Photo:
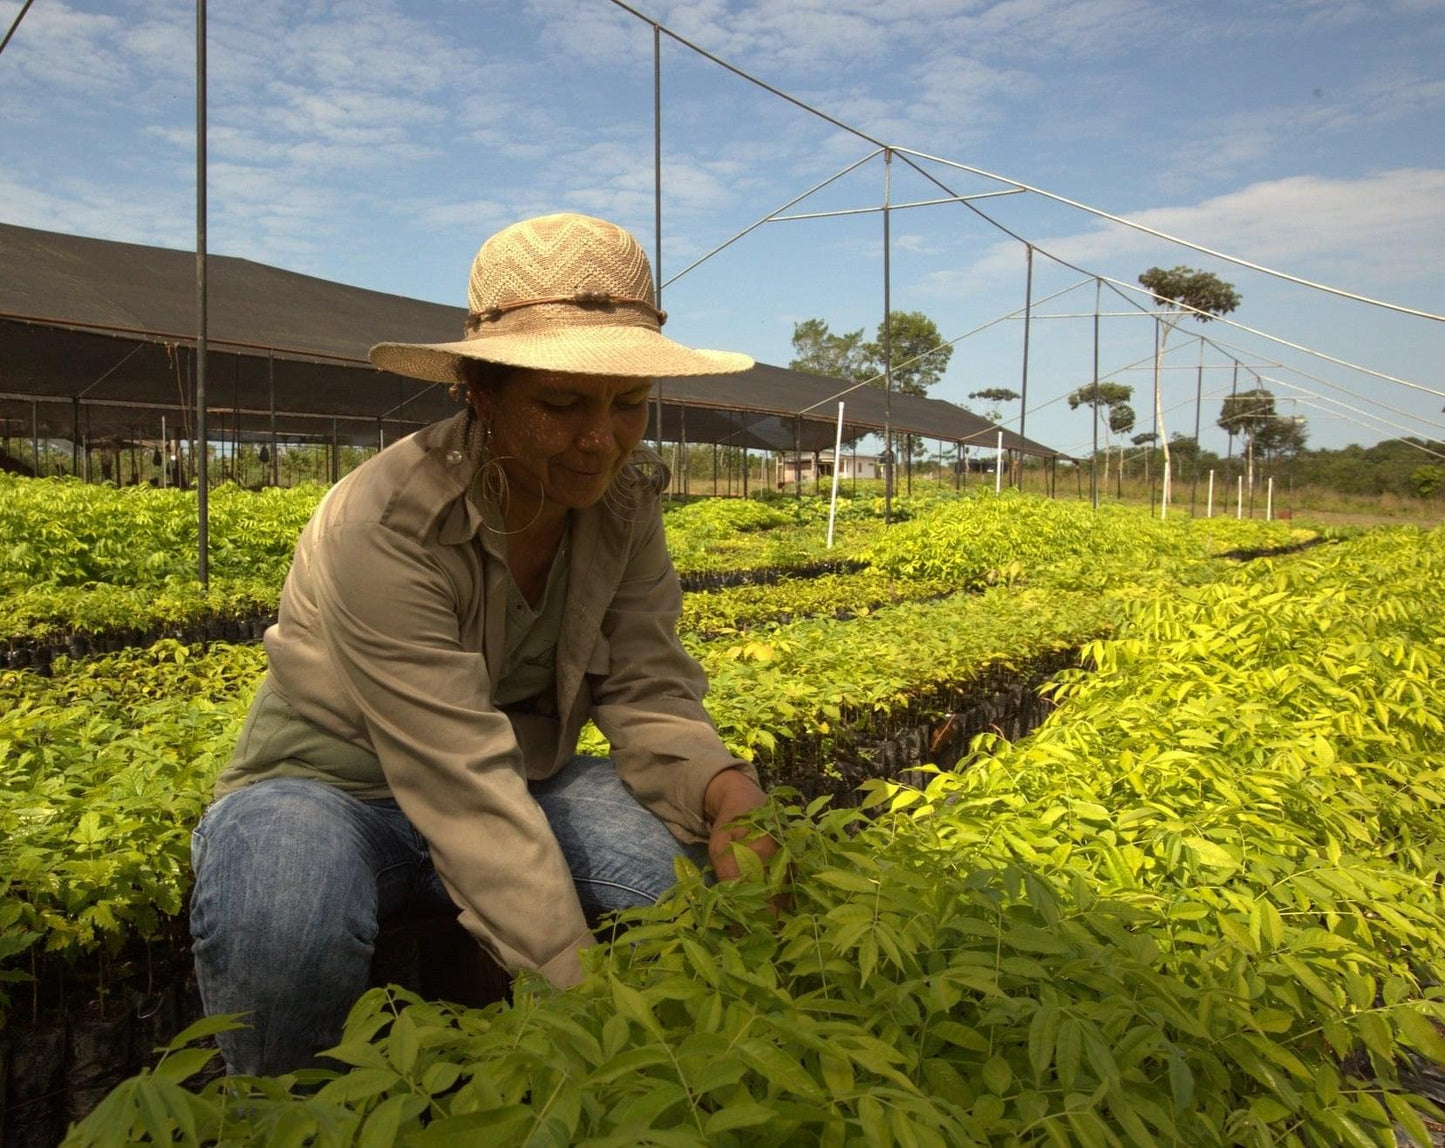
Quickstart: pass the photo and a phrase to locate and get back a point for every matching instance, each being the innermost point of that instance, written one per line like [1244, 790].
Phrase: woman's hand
[730, 795]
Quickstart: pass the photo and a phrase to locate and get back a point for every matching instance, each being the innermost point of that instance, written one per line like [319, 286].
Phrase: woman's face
[562, 435]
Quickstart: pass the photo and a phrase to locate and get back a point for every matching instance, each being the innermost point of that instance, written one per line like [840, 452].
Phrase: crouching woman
[458, 607]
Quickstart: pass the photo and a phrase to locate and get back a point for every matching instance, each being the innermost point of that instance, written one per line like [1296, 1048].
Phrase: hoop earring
[496, 493]
[621, 503]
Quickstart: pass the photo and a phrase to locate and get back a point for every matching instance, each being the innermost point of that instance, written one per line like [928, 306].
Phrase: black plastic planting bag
[98, 1055]
[33, 1111]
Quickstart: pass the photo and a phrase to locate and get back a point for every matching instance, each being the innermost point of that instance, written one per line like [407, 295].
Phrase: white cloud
[1383, 225]
[66, 49]
[128, 213]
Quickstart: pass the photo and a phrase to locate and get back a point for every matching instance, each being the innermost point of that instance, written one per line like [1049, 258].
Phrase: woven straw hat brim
[591, 350]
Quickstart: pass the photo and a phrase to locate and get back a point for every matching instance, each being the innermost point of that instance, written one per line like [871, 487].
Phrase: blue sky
[377, 143]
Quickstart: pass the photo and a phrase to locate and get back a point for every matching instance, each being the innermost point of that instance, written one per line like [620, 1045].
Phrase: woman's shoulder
[407, 486]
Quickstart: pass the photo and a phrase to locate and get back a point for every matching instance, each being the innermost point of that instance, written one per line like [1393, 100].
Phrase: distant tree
[1253, 415]
[1184, 446]
[1145, 439]
[1427, 480]
[820, 352]
[1121, 422]
[1121, 418]
[995, 395]
[1286, 436]
[1204, 296]
[1182, 288]
[917, 351]
[1107, 396]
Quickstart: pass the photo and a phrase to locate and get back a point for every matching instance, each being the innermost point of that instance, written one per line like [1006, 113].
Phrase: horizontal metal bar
[891, 206]
[1109, 314]
[146, 405]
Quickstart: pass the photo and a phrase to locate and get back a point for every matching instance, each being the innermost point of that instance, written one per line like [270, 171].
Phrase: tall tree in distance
[820, 352]
[918, 352]
[1147, 438]
[1203, 296]
[1108, 396]
[995, 395]
[1121, 422]
[1253, 414]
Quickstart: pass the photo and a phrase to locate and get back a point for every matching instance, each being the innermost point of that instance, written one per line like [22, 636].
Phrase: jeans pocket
[199, 842]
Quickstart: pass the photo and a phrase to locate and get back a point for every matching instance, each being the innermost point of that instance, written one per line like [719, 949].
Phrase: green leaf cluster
[103, 774]
[739, 608]
[988, 538]
[1201, 905]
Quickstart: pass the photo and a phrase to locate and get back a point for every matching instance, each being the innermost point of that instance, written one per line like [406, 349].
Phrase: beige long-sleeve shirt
[391, 622]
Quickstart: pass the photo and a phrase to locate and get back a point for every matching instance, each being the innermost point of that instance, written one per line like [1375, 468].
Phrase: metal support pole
[682, 445]
[1028, 317]
[1094, 458]
[887, 345]
[1229, 457]
[1155, 440]
[745, 461]
[236, 421]
[657, 159]
[271, 386]
[75, 436]
[35, 435]
[837, 460]
[1198, 404]
[797, 456]
[203, 471]
[714, 470]
[380, 436]
[335, 455]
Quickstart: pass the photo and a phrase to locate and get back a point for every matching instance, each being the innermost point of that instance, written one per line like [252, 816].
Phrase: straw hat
[560, 293]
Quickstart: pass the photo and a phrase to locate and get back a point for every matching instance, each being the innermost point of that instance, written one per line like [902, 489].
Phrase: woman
[458, 607]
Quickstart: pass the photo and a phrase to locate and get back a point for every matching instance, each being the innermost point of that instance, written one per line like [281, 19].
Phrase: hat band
[477, 320]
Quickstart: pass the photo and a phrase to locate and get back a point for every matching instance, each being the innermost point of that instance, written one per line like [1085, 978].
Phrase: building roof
[97, 340]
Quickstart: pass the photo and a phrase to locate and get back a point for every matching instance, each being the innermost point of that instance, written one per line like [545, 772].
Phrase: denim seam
[601, 882]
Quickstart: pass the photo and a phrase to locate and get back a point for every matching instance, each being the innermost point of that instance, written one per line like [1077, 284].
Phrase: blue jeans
[294, 877]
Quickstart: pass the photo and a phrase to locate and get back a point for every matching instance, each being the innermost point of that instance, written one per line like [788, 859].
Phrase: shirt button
[453, 457]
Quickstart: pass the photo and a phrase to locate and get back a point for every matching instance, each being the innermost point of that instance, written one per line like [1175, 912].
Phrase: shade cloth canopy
[97, 339]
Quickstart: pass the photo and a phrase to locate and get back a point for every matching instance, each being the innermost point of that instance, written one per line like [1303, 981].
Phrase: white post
[1239, 499]
[1269, 500]
[837, 464]
[1209, 505]
[998, 466]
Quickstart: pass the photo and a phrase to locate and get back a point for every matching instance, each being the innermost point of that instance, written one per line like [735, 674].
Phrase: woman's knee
[280, 870]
